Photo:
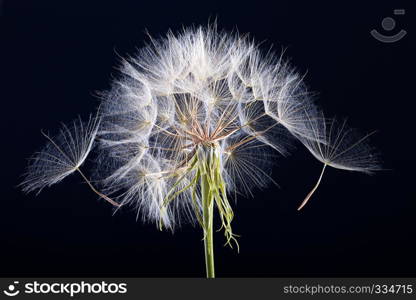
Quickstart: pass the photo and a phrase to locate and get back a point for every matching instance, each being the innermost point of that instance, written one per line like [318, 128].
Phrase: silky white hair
[61, 156]
[195, 87]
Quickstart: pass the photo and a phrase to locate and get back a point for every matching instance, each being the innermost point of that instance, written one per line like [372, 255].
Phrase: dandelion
[193, 119]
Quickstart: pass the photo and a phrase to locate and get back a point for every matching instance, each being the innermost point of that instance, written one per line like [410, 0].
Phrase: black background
[56, 54]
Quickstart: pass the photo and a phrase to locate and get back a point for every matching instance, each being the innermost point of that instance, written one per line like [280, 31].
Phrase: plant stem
[208, 218]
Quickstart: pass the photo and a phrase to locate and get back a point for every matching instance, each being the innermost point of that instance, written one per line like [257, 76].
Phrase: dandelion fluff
[61, 156]
[340, 147]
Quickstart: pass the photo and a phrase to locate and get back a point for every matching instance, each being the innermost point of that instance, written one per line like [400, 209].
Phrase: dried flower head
[201, 92]
[193, 118]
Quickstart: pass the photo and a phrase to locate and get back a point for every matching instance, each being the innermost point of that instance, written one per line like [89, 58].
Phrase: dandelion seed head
[199, 87]
[197, 102]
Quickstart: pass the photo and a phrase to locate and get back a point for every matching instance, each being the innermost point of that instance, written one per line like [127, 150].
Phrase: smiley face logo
[389, 24]
[12, 290]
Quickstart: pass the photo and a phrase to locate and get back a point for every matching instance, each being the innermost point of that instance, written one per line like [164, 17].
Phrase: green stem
[208, 218]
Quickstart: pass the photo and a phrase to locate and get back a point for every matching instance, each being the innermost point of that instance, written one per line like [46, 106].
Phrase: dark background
[54, 55]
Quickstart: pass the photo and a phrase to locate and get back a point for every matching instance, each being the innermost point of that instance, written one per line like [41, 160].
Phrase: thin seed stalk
[314, 188]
